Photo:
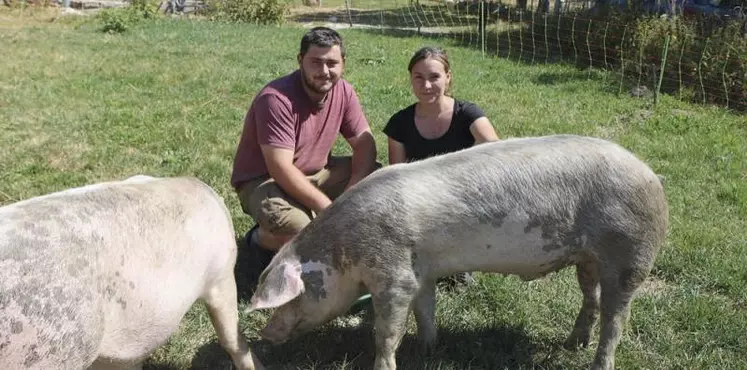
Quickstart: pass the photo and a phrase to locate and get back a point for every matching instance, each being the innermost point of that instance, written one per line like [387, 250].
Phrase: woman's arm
[482, 130]
[396, 152]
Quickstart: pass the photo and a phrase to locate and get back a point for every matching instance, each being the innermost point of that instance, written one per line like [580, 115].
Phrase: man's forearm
[295, 183]
[364, 159]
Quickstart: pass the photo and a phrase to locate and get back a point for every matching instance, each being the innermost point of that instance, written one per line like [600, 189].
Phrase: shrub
[118, 20]
[251, 11]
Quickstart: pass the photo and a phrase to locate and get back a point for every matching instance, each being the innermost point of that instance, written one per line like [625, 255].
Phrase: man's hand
[280, 165]
[364, 156]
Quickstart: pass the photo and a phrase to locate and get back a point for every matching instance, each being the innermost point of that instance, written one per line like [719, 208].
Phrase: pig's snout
[275, 332]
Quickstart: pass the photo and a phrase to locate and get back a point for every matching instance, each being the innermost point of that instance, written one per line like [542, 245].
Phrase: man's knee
[278, 216]
[281, 218]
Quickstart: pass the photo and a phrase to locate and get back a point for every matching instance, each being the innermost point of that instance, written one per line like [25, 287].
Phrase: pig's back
[50, 307]
[567, 181]
[81, 266]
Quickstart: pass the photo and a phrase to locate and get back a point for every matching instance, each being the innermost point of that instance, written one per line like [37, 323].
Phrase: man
[283, 172]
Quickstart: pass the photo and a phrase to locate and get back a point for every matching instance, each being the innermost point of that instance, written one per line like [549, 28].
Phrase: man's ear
[281, 284]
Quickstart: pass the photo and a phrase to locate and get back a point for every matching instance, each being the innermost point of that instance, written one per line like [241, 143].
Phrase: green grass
[167, 98]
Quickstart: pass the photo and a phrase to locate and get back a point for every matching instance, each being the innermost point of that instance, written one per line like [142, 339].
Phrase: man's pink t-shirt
[283, 116]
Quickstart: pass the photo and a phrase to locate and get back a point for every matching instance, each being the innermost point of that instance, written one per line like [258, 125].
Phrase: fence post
[700, 69]
[381, 16]
[661, 69]
[560, 43]
[534, 48]
[723, 76]
[350, 18]
[622, 60]
[588, 49]
[482, 27]
[508, 34]
[679, 69]
[521, 36]
[573, 39]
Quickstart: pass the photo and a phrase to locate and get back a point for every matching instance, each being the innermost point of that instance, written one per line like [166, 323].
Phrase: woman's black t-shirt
[401, 127]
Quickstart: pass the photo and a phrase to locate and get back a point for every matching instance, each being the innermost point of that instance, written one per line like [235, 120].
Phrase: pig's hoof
[575, 342]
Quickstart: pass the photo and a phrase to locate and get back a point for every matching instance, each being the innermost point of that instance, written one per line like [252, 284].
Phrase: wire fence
[693, 57]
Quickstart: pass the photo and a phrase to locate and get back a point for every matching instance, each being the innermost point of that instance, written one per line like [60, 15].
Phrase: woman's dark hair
[321, 37]
[430, 52]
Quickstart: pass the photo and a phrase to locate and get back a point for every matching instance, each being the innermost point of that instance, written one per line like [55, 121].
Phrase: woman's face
[429, 80]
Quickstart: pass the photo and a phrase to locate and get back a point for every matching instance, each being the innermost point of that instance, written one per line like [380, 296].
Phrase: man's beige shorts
[275, 211]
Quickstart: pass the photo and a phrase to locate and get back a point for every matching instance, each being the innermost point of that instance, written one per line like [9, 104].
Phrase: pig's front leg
[391, 307]
[425, 316]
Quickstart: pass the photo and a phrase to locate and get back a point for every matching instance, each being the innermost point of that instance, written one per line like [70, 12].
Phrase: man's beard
[309, 83]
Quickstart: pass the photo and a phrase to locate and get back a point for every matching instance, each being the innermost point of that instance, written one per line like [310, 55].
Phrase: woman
[437, 123]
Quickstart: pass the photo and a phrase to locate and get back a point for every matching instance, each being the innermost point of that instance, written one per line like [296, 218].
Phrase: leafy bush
[147, 9]
[251, 11]
[118, 20]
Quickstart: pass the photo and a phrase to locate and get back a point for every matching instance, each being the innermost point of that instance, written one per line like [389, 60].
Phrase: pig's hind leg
[424, 309]
[587, 274]
[619, 279]
[221, 301]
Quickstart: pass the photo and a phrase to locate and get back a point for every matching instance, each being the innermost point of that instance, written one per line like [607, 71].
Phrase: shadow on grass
[246, 277]
[210, 356]
[159, 367]
[332, 347]
[353, 348]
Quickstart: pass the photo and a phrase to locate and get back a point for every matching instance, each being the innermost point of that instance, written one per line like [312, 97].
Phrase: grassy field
[167, 98]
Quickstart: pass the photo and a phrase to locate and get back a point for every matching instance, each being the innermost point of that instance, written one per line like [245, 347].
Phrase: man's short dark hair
[321, 37]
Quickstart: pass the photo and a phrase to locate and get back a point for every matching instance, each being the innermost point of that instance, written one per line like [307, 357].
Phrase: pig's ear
[280, 285]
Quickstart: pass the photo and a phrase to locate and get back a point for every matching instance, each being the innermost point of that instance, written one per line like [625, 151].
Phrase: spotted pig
[98, 277]
[527, 206]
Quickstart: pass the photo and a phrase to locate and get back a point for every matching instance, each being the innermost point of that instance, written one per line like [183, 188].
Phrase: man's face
[321, 68]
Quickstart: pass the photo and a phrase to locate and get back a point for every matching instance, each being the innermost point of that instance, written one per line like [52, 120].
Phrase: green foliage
[250, 11]
[147, 9]
[710, 62]
[118, 20]
[115, 20]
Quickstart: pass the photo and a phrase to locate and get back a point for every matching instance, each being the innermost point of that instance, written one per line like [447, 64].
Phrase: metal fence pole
[661, 69]
[483, 27]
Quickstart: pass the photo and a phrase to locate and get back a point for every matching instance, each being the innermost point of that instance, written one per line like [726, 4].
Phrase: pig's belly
[512, 248]
[47, 320]
[142, 319]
